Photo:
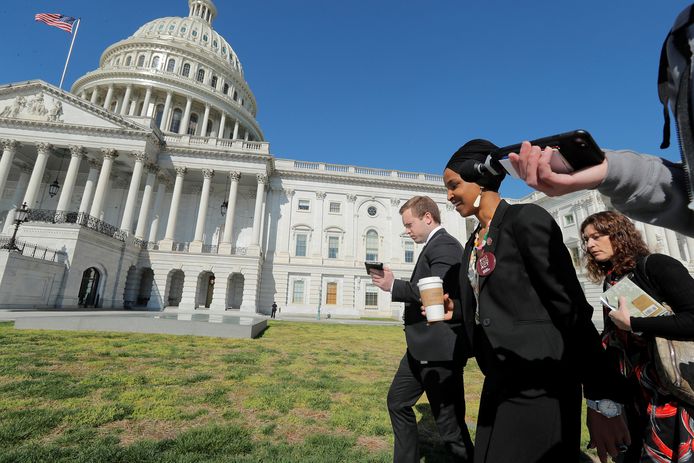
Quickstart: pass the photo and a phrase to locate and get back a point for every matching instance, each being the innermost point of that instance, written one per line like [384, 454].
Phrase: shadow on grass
[432, 448]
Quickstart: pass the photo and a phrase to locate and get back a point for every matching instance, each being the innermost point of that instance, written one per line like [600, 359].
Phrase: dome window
[213, 82]
[201, 75]
[158, 115]
[236, 96]
[224, 50]
[141, 61]
[193, 124]
[204, 38]
[172, 27]
[215, 44]
[161, 27]
[176, 120]
[183, 30]
[186, 70]
[226, 89]
[117, 61]
[155, 62]
[194, 33]
[171, 65]
[128, 60]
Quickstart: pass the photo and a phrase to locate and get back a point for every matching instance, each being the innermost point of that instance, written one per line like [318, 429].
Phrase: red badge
[485, 264]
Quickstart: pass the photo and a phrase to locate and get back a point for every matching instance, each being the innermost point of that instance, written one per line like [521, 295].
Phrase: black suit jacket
[440, 341]
[535, 333]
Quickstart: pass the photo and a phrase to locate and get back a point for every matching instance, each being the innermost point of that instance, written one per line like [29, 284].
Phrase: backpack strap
[642, 273]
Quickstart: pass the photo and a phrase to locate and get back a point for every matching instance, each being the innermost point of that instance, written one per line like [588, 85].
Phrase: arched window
[170, 65]
[201, 75]
[186, 70]
[176, 120]
[409, 251]
[159, 113]
[226, 89]
[371, 245]
[155, 62]
[141, 61]
[193, 124]
[128, 60]
[117, 61]
[209, 128]
[213, 82]
[236, 95]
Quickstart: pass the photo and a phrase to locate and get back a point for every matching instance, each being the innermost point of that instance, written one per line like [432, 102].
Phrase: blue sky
[400, 84]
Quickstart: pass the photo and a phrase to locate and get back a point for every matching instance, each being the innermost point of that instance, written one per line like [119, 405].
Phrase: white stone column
[285, 234]
[9, 148]
[167, 110]
[317, 242]
[219, 295]
[102, 185]
[651, 238]
[16, 198]
[257, 214]
[395, 252]
[186, 117]
[236, 130]
[146, 199]
[145, 104]
[222, 122]
[672, 244]
[95, 95]
[43, 151]
[73, 168]
[225, 245]
[350, 238]
[161, 191]
[109, 97]
[196, 245]
[205, 118]
[167, 242]
[88, 191]
[690, 248]
[126, 100]
[129, 209]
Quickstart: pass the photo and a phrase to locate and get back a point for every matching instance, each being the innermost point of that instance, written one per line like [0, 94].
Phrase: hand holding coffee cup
[431, 293]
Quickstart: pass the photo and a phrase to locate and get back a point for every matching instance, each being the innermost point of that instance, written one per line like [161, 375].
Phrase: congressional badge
[485, 264]
[489, 241]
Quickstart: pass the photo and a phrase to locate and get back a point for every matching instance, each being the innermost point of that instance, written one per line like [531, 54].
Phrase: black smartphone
[370, 265]
[576, 150]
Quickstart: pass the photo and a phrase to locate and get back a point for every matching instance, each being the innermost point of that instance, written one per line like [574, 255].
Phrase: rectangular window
[569, 219]
[371, 297]
[575, 258]
[298, 292]
[334, 208]
[331, 293]
[409, 252]
[304, 205]
[301, 245]
[333, 246]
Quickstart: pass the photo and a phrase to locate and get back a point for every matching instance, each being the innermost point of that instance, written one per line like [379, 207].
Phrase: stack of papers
[640, 303]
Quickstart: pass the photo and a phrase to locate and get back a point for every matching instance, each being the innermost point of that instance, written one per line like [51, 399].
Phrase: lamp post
[20, 216]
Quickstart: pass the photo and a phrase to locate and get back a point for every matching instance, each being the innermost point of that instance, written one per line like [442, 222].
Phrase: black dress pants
[443, 384]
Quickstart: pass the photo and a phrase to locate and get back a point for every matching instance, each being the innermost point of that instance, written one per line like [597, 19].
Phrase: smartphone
[574, 150]
[370, 265]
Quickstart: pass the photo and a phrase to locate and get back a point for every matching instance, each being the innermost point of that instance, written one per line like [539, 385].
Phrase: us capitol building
[150, 184]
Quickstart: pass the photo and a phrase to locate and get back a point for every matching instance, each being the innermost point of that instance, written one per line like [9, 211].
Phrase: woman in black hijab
[529, 323]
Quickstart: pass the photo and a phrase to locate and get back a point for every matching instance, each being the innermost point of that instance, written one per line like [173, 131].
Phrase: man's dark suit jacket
[439, 341]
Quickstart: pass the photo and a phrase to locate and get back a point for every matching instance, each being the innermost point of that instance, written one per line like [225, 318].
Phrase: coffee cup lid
[429, 280]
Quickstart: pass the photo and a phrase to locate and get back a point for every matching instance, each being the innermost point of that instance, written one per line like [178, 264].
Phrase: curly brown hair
[627, 244]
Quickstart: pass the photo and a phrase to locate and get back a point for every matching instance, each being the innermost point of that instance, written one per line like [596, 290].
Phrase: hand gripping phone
[574, 150]
[370, 265]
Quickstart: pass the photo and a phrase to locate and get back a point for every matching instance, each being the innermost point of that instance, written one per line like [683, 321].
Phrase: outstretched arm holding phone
[646, 188]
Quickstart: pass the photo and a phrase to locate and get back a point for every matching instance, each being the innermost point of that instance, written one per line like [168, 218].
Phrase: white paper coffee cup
[431, 293]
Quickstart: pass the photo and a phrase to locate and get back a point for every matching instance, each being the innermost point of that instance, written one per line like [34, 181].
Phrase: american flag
[56, 20]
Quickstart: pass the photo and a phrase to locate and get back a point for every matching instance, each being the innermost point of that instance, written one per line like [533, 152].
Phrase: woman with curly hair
[661, 425]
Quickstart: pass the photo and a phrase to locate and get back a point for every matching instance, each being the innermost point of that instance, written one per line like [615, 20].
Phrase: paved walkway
[14, 314]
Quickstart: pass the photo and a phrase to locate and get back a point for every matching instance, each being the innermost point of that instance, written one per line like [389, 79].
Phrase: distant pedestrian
[274, 309]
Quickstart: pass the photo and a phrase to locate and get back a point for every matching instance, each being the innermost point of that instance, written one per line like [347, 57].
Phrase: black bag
[674, 360]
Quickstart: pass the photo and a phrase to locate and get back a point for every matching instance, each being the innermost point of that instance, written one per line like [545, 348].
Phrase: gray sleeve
[649, 189]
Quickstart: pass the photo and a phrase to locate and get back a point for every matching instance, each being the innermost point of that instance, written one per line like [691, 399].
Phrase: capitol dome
[180, 72]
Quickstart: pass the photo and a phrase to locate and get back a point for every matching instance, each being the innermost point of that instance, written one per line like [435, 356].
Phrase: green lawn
[303, 392]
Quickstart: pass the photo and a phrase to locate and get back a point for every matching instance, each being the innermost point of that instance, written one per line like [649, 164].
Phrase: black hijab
[466, 162]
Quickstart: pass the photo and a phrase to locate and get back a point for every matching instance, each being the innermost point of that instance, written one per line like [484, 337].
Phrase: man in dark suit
[437, 352]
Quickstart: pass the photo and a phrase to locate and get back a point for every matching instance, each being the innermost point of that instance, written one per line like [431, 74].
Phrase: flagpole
[77, 26]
